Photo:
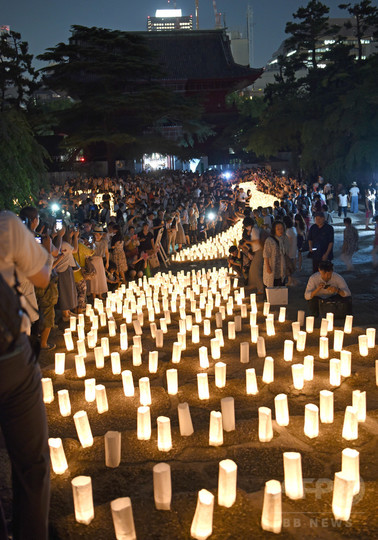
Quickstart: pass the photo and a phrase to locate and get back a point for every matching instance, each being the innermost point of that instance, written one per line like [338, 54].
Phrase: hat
[354, 183]
[98, 229]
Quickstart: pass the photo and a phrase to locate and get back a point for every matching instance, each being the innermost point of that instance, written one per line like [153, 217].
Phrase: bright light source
[283, 172]
[168, 13]
[226, 175]
[55, 207]
[211, 215]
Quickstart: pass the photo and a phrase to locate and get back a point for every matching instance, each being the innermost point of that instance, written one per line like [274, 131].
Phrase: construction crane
[218, 16]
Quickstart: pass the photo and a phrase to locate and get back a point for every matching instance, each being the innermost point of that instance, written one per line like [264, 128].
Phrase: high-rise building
[169, 19]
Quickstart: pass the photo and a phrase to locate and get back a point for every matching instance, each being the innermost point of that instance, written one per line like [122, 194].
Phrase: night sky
[45, 23]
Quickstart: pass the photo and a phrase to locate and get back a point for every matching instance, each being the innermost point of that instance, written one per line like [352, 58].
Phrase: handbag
[277, 296]
[340, 307]
[89, 270]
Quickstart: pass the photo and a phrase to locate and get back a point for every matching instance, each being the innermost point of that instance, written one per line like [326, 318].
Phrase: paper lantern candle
[334, 372]
[244, 352]
[338, 338]
[57, 455]
[116, 363]
[348, 325]
[293, 475]
[363, 345]
[83, 429]
[297, 371]
[64, 402]
[203, 358]
[311, 421]
[220, 374]
[83, 499]
[323, 347]
[310, 320]
[202, 524]
[99, 357]
[162, 486]
[112, 441]
[164, 433]
[144, 391]
[282, 315]
[176, 353]
[251, 381]
[47, 389]
[342, 499]
[215, 429]
[153, 361]
[143, 423]
[123, 520]
[350, 426]
[268, 372]
[288, 350]
[60, 362]
[326, 407]
[261, 351]
[308, 363]
[215, 348]
[228, 413]
[101, 399]
[281, 410]
[172, 381]
[185, 420]
[227, 480]
[301, 341]
[346, 363]
[127, 383]
[203, 386]
[359, 403]
[271, 519]
[265, 424]
[350, 466]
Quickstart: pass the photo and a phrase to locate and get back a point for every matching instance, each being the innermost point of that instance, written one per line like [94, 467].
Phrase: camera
[38, 238]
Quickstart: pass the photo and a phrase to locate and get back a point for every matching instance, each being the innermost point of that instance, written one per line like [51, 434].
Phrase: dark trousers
[24, 426]
[313, 304]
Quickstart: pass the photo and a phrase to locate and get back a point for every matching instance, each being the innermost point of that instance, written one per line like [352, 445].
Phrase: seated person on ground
[324, 285]
[234, 260]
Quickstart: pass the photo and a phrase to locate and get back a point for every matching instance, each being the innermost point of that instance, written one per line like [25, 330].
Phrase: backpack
[11, 313]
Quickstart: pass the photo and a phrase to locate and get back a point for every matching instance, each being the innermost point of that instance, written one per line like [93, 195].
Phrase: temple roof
[197, 54]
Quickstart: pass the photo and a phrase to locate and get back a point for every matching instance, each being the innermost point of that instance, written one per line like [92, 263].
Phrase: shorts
[47, 298]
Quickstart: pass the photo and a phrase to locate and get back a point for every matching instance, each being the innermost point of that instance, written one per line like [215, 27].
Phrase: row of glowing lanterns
[184, 288]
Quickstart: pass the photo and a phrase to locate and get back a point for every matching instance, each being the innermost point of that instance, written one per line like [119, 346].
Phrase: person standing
[320, 241]
[275, 249]
[342, 203]
[22, 411]
[354, 193]
[350, 244]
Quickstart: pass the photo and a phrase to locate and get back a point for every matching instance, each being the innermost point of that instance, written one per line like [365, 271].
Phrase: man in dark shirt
[320, 241]
[146, 240]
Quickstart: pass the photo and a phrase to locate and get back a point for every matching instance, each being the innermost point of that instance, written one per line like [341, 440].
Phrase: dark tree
[366, 17]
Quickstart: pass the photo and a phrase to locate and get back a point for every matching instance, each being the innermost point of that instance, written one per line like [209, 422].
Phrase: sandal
[50, 347]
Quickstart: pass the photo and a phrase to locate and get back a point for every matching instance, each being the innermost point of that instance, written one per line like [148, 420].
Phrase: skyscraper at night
[169, 19]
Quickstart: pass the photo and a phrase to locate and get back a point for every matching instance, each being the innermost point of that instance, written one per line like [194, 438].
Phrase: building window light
[329, 41]
[291, 53]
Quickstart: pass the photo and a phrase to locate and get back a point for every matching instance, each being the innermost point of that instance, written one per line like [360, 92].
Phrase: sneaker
[50, 347]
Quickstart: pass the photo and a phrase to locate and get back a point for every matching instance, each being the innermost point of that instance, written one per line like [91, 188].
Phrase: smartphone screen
[38, 238]
[59, 224]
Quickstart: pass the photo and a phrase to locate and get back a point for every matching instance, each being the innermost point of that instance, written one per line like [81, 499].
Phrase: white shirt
[354, 191]
[343, 199]
[255, 238]
[291, 234]
[336, 281]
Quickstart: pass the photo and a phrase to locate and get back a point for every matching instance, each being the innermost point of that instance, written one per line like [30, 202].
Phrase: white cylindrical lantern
[323, 347]
[128, 383]
[301, 341]
[159, 339]
[57, 456]
[195, 334]
[164, 433]
[123, 520]
[144, 423]
[330, 318]
[338, 338]
[293, 475]
[301, 317]
[346, 363]
[348, 325]
[219, 336]
[231, 330]
[215, 348]
[244, 352]
[112, 327]
[227, 480]
[281, 409]
[288, 350]
[101, 399]
[153, 330]
[334, 372]
[220, 374]
[254, 333]
[251, 381]
[99, 357]
[60, 359]
[265, 424]
[83, 499]
[350, 466]
[363, 345]
[105, 346]
[116, 363]
[80, 365]
[297, 371]
[311, 421]
[203, 358]
[68, 340]
[282, 315]
[189, 323]
[308, 363]
[73, 324]
[268, 371]
[324, 328]
[112, 448]
[215, 429]
[90, 390]
[83, 429]
[172, 381]
[81, 350]
[206, 327]
[80, 331]
[326, 407]
[163, 325]
[185, 420]
[64, 402]
[350, 425]
[91, 339]
[48, 390]
[123, 341]
[310, 320]
[144, 391]
[228, 413]
[203, 386]
[271, 519]
[342, 499]
[218, 320]
[371, 333]
[162, 486]
[137, 356]
[261, 351]
[176, 353]
[202, 524]
[296, 327]
[270, 331]
[238, 323]
[266, 309]
[153, 361]
[359, 403]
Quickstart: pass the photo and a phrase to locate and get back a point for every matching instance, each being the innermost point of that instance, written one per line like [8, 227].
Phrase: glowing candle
[324, 328]
[310, 320]
[346, 363]
[252, 319]
[268, 371]
[68, 340]
[220, 374]
[137, 328]
[181, 338]
[159, 339]
[83, 429]
[151, 315]
[330, 318]
[270, 326]
[127, 383]
[359, 403]
[83, 499]
[363, 345]
[215, 348]
[112, 441]
[293, 475]
[144, 391]
[137, 341]
[101, 399]
[244, 352]
[218, 320]
[123, 521]
[215, 429]
[162, 486]
[326, 407]
[153, 361]
[80, 319]
[271, 519]
[254, 333]
[73, 324]
[334, 372]
[164, 433]
[261, 351]
[189, 323]
[338, 338]
[238, 323]
[282, 315]
[266, 309]
[231, 330]
[228, 413]
[102, 319]
[124, 341]
[206, 327]
[185, 420]
[281, 409]
[105, 346]
[350, 466]
[295, 326]
[311, 421]
[60, 359]
[348, 325]
[112, 327]
[64, 402]
[265, 424]
[308, 363]
[137, 357]
[144, 423]
[202, 524]
[116, 363]
[370, 333]
[172, 381]
[57, 455]
[163, 325]
[91, 340]
[350, 426]
[202, 386]
[48, 390]
[99, 357]
[227, 480]
[203, 358]
[251, 382]
[243, 311]
[342, 499]
[90, 390]
[323, 347]
[219, 336]
[288, 350]
[301, 341]
[195, 334]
